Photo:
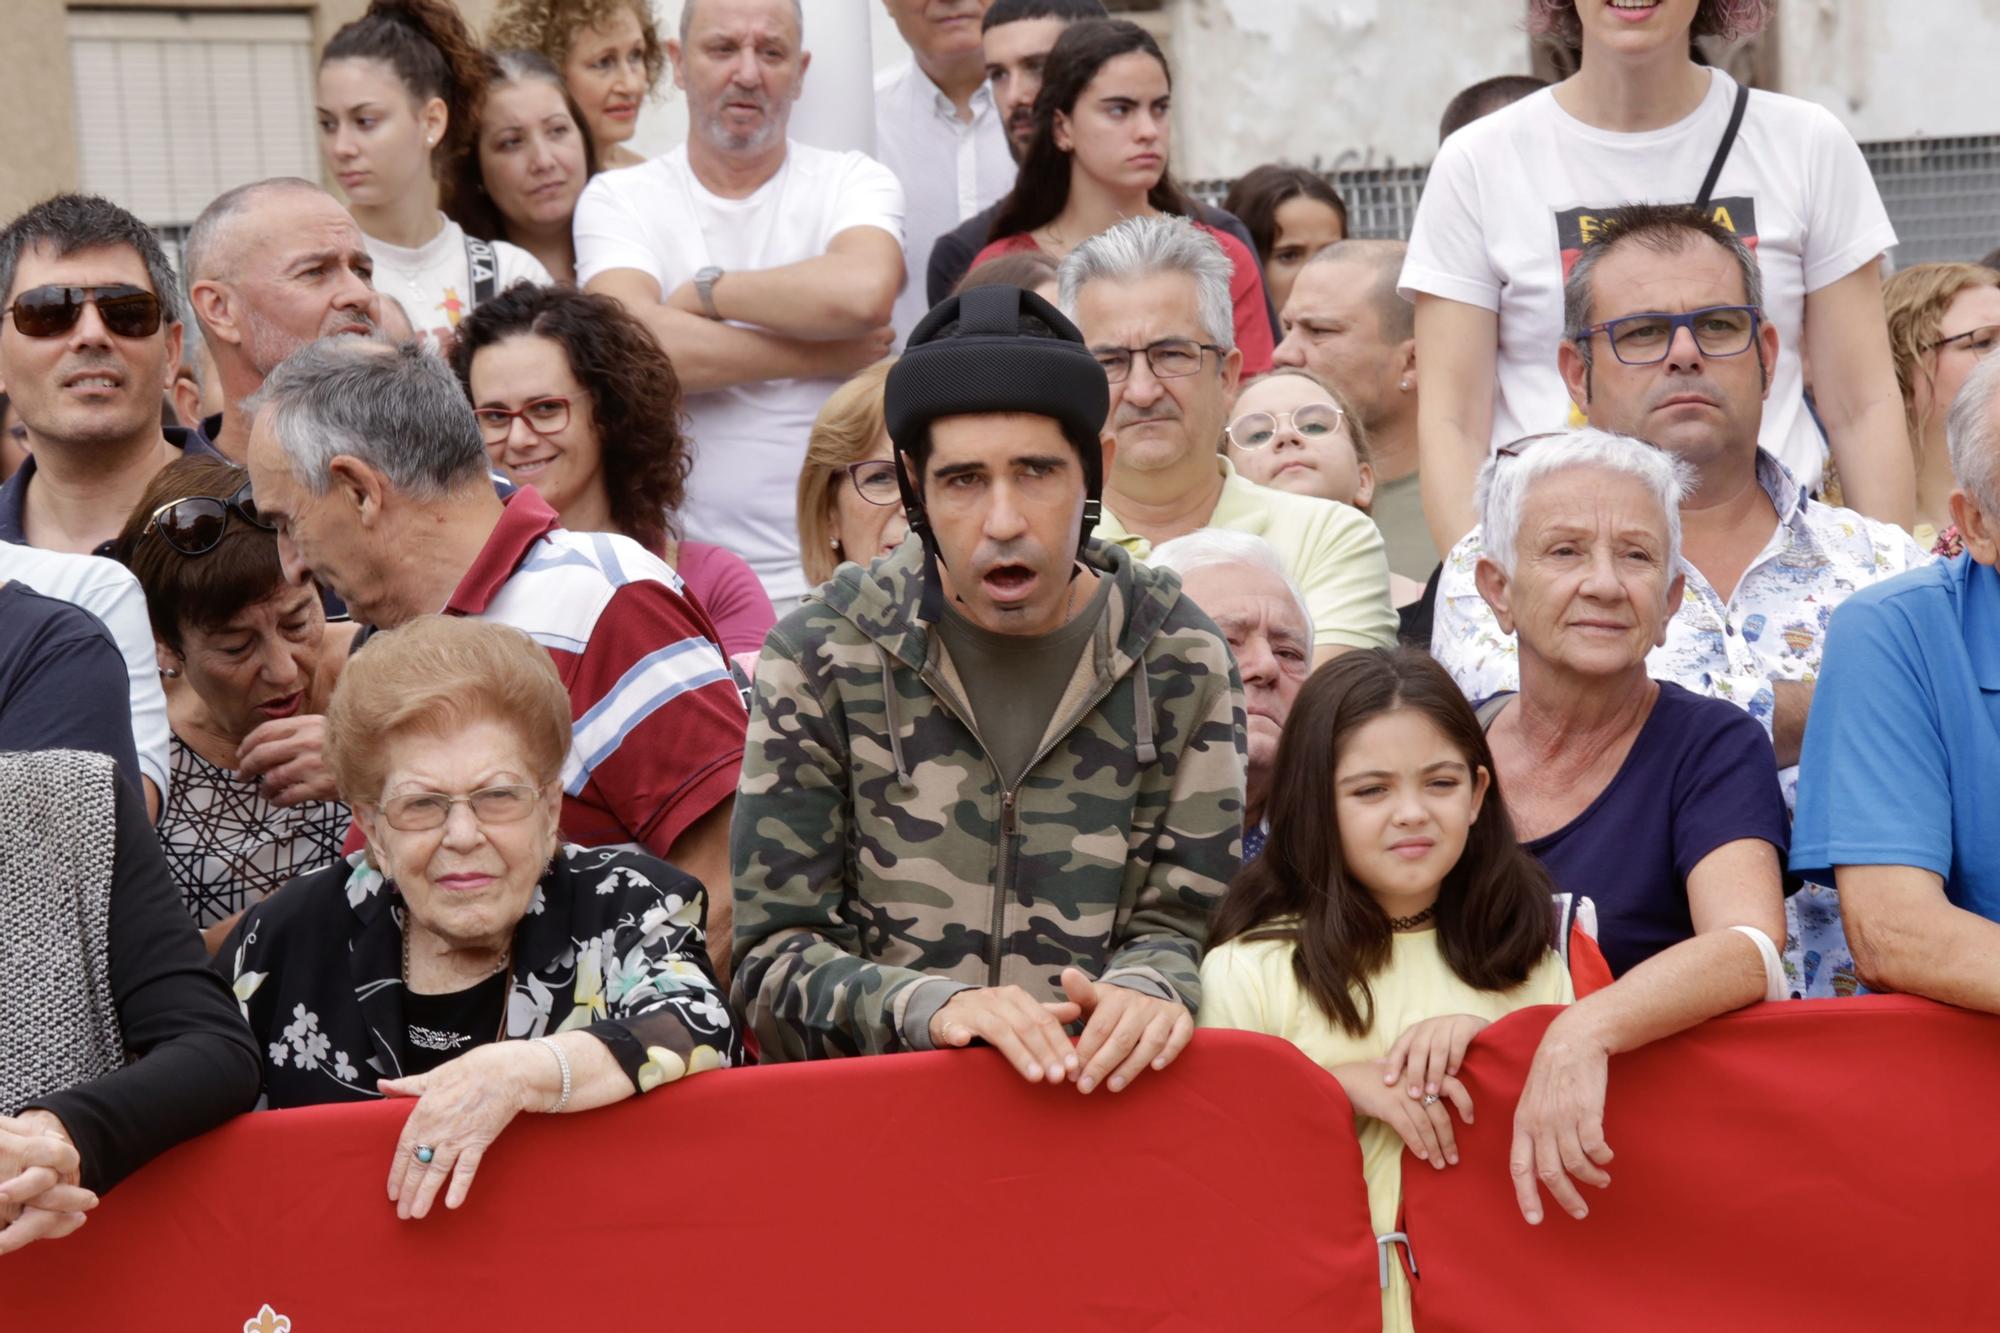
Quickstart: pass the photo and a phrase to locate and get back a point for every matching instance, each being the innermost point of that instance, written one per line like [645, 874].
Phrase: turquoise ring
[425, 1153]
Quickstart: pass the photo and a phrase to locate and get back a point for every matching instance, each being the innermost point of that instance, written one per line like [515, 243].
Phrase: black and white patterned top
[228, 847]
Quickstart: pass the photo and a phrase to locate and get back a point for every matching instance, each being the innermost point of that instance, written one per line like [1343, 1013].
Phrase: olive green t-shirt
[1013, 682]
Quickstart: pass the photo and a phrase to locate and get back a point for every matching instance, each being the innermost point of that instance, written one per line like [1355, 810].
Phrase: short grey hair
[1504, 483]
[202, 252]
[798, 20]
[1145, 246]
[1973, 437]
[399, 409]
[1209, 548]
[1665, 229]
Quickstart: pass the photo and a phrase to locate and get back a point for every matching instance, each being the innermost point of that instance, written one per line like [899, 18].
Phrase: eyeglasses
[1978, 341]
[194, 526]
[422, 811]
[1168, 359]
[50, 312]
[875, 481]
[543, 416]
[1645, 340]
[1254, 430]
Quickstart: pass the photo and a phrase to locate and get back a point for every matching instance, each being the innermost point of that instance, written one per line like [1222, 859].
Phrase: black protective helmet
[973, 354]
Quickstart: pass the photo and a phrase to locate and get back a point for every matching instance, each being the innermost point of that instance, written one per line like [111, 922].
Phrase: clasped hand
[1126, 1032]
[40, 1198]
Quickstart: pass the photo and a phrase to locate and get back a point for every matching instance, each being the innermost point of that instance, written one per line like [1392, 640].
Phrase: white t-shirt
[110, 592]
[1512, 197]
[434, 281]
[749, 440]
[950, 169]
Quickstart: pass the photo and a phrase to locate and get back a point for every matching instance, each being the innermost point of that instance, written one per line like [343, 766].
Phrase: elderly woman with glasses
[249, 662]
[1659, 805]
[849, 506]
[468, 958]
[575, 398]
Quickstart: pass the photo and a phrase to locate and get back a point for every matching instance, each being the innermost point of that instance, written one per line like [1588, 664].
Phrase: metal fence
[1943, 195]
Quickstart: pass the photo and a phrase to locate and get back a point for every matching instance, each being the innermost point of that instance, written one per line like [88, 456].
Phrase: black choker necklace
[1412, 922]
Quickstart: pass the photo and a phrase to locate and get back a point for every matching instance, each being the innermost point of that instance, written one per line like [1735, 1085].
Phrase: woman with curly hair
[1943, 320]
[575, 398]
[1513, 197]
[397, 101]
[609, 53]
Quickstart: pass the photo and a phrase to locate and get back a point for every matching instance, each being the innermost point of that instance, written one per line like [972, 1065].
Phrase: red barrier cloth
[933, 1191]
[1818, 1163]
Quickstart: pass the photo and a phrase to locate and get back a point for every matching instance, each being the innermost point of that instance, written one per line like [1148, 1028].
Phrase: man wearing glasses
[1151, 296]
[1667, 342]
[90, 339]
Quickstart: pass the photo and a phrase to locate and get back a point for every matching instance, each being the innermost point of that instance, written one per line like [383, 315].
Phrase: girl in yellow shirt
[1392, 915]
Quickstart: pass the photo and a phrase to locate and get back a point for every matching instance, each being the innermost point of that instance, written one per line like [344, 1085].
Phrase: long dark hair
[635, 397]
[433, 53]
[1494, 918]
[1042, 188]
[1259, 192]
[466, 200]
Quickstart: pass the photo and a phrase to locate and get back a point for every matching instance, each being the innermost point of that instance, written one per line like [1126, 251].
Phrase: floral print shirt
[1772, 628]
[612, 943]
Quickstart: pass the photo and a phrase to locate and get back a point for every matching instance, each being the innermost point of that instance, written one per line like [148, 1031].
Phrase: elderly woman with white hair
[1238, 580]
[1660, 805]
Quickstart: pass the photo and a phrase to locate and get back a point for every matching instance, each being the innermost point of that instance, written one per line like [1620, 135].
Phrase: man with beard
[937, 126]
[767, 269]
[272, 266]
[1152, 298]
[994, 782]
[91, 336]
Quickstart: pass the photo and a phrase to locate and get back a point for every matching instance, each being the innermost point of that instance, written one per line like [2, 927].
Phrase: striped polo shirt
[659, 722]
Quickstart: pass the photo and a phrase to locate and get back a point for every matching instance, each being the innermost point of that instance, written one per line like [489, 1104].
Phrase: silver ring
[1431, 1100]
[425, 1153]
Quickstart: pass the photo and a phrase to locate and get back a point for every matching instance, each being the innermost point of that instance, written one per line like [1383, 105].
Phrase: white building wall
[1895, 69]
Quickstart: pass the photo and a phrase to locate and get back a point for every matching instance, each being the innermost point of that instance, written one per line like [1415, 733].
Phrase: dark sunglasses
[194, 526]
[50, 312]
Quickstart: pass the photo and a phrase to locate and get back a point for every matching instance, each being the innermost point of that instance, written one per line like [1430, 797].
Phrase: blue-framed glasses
[1644, 340]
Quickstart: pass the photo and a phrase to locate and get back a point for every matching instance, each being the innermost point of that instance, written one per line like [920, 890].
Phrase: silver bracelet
[562, 1061]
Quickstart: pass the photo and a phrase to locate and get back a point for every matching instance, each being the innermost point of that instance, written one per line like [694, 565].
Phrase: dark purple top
[1701, 773]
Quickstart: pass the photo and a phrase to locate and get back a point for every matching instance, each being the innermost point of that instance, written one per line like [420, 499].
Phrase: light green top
[1332, 551]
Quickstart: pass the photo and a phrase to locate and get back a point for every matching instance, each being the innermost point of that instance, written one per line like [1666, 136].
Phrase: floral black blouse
[612, 944]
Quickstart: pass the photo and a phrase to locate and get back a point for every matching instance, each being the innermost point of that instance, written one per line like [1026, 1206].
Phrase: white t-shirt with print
[1512, 197]
[750, 439]
[434, 282]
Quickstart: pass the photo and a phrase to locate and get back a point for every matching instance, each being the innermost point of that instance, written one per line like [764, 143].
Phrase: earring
[1404, 386]
[171, 673]
[834, 543]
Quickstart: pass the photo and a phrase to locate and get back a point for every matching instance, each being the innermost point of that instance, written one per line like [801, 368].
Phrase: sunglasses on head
[194, 526]
[50, 312]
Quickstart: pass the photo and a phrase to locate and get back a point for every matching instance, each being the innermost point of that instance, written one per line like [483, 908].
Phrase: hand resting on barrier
[40, 1198]
[1126, 1031]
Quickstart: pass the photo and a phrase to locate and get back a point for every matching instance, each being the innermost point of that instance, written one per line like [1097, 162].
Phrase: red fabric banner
[1818, 1163]
[917, 1191]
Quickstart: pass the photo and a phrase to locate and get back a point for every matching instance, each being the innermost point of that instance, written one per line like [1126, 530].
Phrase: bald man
[1345, 323]
[273, 266]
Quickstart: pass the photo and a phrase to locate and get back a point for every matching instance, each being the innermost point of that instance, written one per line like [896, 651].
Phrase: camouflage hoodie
[879, 865]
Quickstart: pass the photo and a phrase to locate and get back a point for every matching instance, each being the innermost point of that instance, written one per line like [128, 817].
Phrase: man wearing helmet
[994, 782]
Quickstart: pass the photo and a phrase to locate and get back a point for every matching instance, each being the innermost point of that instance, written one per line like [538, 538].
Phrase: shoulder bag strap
[484, 266]
[1722, 149]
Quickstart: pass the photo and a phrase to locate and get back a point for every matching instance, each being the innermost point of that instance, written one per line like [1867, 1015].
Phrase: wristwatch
[704, 286]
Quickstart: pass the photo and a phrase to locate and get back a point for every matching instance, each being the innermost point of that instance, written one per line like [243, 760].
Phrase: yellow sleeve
[1344, 573]
[1235, 992]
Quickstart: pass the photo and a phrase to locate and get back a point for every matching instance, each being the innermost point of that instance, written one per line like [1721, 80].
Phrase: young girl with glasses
[1392, 915]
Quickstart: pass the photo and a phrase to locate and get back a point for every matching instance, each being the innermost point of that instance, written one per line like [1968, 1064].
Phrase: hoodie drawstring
[1142, 712]
[892, 723]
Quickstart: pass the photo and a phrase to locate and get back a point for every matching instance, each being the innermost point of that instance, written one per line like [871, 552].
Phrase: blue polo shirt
[1901, 764]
